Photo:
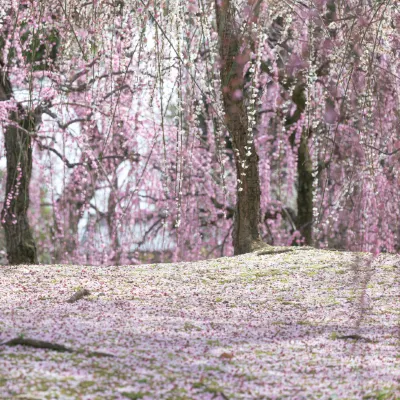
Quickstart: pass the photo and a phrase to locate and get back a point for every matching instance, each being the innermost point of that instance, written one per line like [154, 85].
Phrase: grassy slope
[247, 327]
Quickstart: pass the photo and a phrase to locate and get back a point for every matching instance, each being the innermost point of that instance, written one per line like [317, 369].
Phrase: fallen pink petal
[247, 327]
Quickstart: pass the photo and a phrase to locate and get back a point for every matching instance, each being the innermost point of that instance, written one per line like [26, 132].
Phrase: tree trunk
[21, 247]
[246, 234]
[70, 206]
[247, 214]
[304, 170]
[305, 190]
[112, 222]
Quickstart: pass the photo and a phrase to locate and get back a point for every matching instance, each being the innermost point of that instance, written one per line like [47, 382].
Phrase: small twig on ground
[42, 344]
[223, 395]
[277, 250]
[355, 337]
[38, 344]
[272, 251]
[78, 295]
[97, 354]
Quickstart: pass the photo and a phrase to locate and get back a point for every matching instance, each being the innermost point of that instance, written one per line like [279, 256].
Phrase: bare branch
[72, 165]
[386, 153]
[118, 89]
[84, 71]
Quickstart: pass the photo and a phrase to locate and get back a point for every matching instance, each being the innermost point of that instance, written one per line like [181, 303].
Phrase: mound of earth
[299, 324]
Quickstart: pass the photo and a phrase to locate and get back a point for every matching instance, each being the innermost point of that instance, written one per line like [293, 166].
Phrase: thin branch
[118, 89]
[101, 213]
[72, 165]
[84, 71]
[383, 152]
[149, 231]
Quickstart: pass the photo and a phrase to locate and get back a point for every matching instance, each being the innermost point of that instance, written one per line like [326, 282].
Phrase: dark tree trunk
[112, 222]
[246, 234]
[305, 190]
[304, 170]
[71, 206]
[247, 214]
[21, 248]
[75, 197]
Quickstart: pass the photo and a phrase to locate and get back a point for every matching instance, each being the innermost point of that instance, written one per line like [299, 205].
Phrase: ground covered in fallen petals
[307, 324]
